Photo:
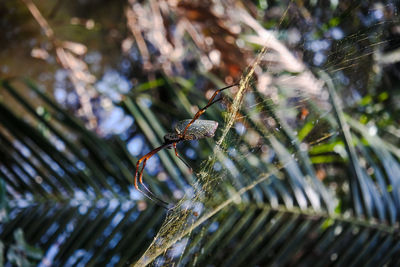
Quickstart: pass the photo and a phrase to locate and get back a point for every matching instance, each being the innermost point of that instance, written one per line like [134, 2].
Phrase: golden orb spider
[185, 130]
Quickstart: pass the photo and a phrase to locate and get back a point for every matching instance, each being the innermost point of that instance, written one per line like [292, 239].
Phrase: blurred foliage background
[305, 171]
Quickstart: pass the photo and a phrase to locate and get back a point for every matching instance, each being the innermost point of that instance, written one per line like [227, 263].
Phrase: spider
[186, 130]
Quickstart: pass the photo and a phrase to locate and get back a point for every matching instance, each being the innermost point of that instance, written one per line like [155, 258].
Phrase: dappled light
[118, 148]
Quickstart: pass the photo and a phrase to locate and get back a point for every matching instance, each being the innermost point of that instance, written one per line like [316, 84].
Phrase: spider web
[280, 112]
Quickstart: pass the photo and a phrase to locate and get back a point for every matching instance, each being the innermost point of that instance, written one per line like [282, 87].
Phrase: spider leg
[177, 154]
[153, 196]
[159, 202]
[139, 177]
[210, 102]
[137, 172]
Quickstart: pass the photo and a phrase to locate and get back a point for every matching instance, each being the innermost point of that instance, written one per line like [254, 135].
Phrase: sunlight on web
[279, 122]
[182, 219]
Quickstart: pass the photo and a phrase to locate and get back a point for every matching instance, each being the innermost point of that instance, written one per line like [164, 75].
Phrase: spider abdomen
[197, 130]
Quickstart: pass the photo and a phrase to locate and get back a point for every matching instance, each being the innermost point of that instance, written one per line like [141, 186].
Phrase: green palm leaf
[284, 215]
